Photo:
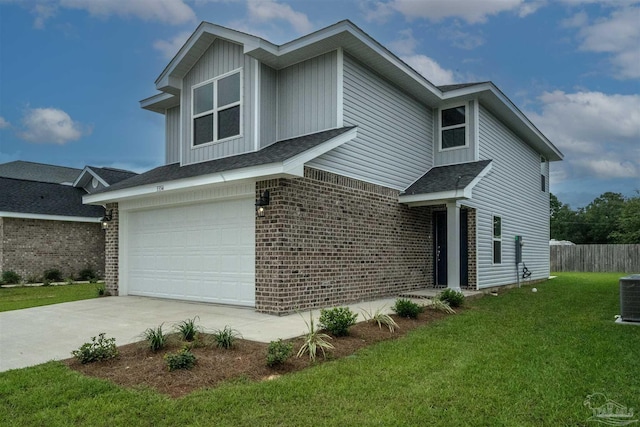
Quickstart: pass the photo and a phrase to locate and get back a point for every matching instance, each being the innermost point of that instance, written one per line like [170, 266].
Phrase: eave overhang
[288, 168]
[441, 197]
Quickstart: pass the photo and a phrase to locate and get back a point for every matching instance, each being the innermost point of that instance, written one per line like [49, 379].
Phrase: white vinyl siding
[172, 135]
[220, 58]
[394, 146]
[511, 191]
[307, 97]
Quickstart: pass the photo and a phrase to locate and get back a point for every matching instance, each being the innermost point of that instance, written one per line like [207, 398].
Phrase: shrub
[337, 320]
[224, 338]
[101, 290]
[314, 340]
[454, 298]
[10, 278]
[69, 281]
[440, 305]
[87, 274]
[100, 349]
[381, 319]
[406, 308]
[156, 339]
[188, 329]
[183, 359]
[278, 352]
[52, 275]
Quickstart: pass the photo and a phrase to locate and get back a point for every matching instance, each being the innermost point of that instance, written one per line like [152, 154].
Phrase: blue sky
[72, 71]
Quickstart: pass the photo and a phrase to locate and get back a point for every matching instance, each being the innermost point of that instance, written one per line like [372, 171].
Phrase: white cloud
[460, 39]
[618, 35]
[43, 12]
[405, 46]
[269, 11]
[598, 133]
[169, 48]
[172, 12]
[430, 69]
[51, 125]
[437, 10]
[4, 124]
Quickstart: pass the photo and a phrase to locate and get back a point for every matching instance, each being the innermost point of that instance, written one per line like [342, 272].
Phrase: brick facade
[327, 240]
[472, 249]
[31, 246]
[111, 250]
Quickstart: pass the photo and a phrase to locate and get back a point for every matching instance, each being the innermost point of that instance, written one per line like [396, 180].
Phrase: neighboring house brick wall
[112, 249]
[32, 246]
[1, 245]
[327, 240]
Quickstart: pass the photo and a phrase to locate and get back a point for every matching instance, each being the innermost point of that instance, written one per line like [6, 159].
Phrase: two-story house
[325, 171]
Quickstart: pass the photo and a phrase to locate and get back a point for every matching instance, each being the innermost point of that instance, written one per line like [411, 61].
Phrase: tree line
[610, 218]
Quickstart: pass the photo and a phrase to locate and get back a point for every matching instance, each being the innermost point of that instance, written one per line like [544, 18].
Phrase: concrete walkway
[36, 335]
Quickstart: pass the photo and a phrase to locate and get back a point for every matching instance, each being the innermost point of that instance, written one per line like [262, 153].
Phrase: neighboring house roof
[24, 198]
[446, 182]
[31, 171]
[282, 157]
[554, 242]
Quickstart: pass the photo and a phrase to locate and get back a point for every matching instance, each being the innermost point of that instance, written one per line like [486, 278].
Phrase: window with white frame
[453, 127]
[217, 109]
[497, 240]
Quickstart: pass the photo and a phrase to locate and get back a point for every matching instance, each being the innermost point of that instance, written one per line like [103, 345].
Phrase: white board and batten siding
[172, 135]
[197, 245]
[268, 105]
[307, 97]
[220, 58]
[512, 190]
[394, 146]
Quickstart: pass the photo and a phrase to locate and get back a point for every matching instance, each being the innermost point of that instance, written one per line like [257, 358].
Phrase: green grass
[519, 359]
[34, 296]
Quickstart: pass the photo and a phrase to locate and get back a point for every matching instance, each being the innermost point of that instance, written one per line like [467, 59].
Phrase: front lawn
[520, 358]
[34, 296]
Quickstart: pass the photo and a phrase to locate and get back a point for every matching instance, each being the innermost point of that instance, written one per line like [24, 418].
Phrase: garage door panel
[199, 252]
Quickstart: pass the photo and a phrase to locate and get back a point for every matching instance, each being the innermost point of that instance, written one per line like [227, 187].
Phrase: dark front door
[440, 248]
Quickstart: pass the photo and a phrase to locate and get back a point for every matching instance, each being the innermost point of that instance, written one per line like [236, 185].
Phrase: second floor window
[217, 109]
[453, 127]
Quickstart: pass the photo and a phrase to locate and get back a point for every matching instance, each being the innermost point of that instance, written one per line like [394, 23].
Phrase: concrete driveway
[36, 335]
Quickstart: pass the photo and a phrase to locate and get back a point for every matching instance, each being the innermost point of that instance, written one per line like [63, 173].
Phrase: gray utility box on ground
[630, 298]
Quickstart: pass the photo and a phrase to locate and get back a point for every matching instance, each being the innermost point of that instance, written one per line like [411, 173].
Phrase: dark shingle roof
[23, 196]
[111, 175]
[447, 178]
[38, 172]
[277, 152]
[447, 88]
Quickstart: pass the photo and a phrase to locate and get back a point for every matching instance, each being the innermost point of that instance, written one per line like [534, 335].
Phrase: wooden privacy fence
[596, 258]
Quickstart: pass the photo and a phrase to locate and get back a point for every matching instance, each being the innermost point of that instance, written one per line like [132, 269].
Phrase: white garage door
[201, 252]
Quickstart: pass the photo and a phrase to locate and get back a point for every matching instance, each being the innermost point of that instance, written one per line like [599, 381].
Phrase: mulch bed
[136, 366]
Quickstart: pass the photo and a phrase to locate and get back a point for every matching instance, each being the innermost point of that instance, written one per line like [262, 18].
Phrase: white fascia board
[433, 198]
[510, 114]
[167, 80]
[292, 167]
[48, 217]
[256, 172]
[160, 102]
